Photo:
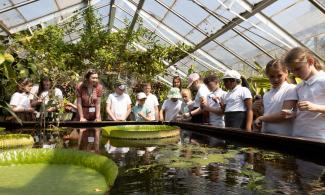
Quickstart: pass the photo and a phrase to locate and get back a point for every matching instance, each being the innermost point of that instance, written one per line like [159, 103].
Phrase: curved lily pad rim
[103, 165]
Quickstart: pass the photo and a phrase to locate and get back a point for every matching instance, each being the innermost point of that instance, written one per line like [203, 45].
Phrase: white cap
[141, 95]
[231, 74]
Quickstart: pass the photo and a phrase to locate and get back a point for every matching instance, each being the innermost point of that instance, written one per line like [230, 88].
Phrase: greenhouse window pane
[240, 46]
[268, 34]
[125, 7]
[252, 2]
[5, 4]
[210, 25]
[195, 36]
[64, 3]
[190, 11]
[220, 10]
[11, 18]
[122, 15]
[177, 24]
[119, 24]
[219, 53]
[305, 22]
[155, 9]
[38, 9]
[164, 33]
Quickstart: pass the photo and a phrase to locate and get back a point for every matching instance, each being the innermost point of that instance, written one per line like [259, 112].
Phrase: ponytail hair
[244, 82]
[300, 54]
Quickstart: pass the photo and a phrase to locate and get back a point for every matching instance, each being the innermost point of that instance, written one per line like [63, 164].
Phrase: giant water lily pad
[143, 143]
[141, 131]
[15, 140]
[79, 172]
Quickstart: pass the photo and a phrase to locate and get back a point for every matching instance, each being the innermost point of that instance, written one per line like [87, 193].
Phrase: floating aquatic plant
[141, 131]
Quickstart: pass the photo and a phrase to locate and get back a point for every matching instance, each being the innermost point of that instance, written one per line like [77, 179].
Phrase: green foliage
[141, 131]
[99, 163]
[47, 53]
[188, 156]
[255, 182]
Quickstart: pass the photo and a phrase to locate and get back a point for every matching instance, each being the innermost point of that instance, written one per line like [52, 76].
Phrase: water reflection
[182, 166]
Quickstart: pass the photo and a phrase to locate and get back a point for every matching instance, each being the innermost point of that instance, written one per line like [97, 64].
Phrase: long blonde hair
[299, 54]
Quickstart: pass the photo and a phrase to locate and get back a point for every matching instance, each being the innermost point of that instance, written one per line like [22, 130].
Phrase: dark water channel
[200, 164]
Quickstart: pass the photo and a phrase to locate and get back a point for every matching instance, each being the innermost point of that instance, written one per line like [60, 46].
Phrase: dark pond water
[199, 164]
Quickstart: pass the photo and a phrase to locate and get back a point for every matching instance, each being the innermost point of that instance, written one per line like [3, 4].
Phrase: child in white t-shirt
[20, 102]
[151, 102]
[282, 97]
[172, 106]
[214, 101]
[118, 104]
[238, 102]
[197, 113]
[310, 117]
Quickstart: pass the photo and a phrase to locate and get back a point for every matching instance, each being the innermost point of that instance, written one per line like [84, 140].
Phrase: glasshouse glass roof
[225, 34]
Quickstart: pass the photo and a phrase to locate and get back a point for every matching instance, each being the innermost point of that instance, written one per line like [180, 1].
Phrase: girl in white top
[238, 102]
[44, 93]
[20, 103]
[118, 104]
[213, 103]
[282, 97]
[172, 106]
[310, 117]
[151, 102]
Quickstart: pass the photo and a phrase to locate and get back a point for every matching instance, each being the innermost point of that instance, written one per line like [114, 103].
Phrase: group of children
[288, 109]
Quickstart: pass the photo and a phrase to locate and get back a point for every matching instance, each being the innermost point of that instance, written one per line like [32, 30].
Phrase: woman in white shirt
[238, 102]
[20, 103]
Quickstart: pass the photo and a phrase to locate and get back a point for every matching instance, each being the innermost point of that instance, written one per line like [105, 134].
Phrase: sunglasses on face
[229, 80]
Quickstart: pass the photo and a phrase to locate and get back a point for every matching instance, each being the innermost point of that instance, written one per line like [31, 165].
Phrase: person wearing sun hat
[172, 106]
[238, 102]
[141, 112]
[196, 83]
[118, 104]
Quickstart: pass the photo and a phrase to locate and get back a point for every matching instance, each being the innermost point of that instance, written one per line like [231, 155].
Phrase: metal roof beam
[318, 5]
[202, 32]
[257, 7]
[112, 12]
[4, 28]
[134, 19]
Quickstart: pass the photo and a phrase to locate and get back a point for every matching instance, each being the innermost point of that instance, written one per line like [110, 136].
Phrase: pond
[200, 164]
[195, 163]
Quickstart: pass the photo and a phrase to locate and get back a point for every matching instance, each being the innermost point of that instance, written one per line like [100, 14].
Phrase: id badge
[92, 109]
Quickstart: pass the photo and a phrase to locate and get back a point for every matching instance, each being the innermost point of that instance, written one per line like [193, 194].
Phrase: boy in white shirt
[214, 101]
[196, 83]
[151, 102]
[118, 104]
[172, 106]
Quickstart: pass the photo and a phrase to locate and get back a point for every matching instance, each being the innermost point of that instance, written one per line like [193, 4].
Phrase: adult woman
[89, 94]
